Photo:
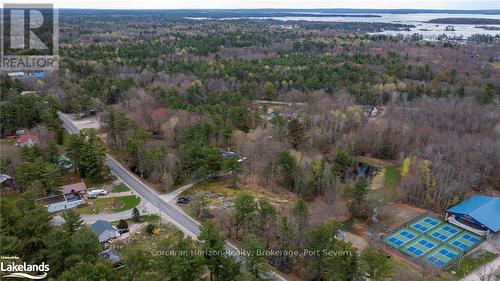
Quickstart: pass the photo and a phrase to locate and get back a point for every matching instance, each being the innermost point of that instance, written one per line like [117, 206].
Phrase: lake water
[428, 30]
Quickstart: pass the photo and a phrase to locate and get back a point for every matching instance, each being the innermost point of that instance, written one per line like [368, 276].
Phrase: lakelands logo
[23, 270]
[30, 38]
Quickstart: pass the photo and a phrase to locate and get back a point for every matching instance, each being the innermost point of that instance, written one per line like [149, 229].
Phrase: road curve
[187, 224]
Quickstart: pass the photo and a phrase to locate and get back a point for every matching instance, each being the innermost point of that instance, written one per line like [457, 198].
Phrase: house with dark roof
[112, 256]
[104, 230]
[479, 214]
[61, 202]
[27, 140]
[71, 197]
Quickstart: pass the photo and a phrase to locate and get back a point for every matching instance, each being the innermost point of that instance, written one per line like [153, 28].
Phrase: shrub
[150, 228]
[122, 224]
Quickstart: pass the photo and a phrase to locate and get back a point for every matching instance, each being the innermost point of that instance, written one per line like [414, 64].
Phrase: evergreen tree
[87, 151]
[376, 264]
[269, 91]
[254, 260]
[90, 271]
[295, 132]
[52, 151]
[288, 168]
[122, 224]
[232, 166]
[180, 267]
[359, 205]
[136, 216]
[221, 267]
[72, 221]
[244, 207]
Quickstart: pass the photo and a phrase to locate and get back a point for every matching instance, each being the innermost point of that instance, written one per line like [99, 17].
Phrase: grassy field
[147, 242]
[219, 194]
[149, 218]
[110, 205]
[221, 188]
[389, 191]
[385, 194]
[152, 218]
[120, 188]
[217, 186]
[404, 271]
[469, 264]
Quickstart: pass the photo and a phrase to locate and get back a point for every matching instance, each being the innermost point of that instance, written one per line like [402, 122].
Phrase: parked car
[183, 200]
[123, 230]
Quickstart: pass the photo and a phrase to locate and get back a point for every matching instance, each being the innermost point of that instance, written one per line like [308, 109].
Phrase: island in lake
[465, 21]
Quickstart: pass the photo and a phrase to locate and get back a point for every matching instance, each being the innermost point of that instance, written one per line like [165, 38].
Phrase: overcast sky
[228, 4]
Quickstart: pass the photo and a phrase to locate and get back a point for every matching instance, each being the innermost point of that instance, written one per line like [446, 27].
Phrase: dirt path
[359, 242]
[169, 197]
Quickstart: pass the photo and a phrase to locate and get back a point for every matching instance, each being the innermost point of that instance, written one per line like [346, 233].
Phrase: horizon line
[289, 9]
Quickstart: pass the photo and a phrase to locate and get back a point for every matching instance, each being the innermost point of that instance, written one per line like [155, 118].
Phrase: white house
[61, 202]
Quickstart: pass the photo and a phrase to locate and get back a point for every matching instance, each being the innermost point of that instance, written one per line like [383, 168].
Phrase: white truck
[96, 192]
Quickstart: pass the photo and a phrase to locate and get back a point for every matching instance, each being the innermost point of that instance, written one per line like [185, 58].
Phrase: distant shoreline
[267, 12]
[297, 15]
[465, 21]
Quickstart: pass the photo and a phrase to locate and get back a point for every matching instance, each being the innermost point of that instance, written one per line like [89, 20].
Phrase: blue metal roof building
[479, 214]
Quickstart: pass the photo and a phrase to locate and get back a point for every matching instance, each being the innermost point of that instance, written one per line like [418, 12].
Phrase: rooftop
[52, 199]
[75, 187]
[101, 226]
[72, 197]
[484, 209]
[112, 255]
[24, 138]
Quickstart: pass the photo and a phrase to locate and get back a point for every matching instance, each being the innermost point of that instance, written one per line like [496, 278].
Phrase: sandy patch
[357, 241]
[395, 216]
[378, 180]
[91, 122]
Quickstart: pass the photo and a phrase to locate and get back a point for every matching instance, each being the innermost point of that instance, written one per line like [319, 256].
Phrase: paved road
[68, 123]
[280, 103]
[492, 267]
[187, 224]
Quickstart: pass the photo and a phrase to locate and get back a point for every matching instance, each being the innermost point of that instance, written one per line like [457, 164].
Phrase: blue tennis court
[465, 241]
[444, 232]
[425, 224]
[433, 241]
[421, 246]
[401, 237]
[442, 257]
